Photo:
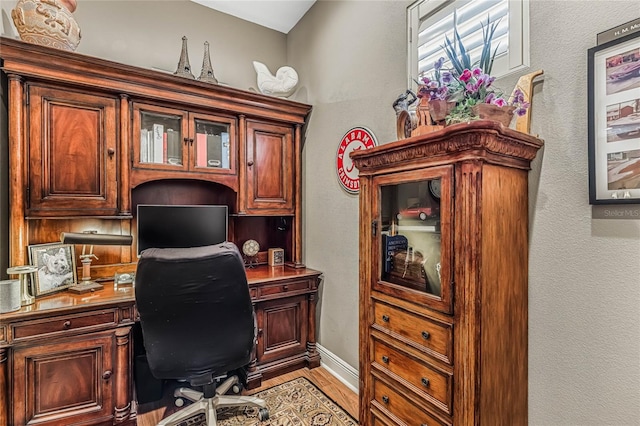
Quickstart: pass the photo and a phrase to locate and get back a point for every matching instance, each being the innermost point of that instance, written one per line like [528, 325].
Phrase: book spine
[201, 150]
[225, 151]
[158, 142]
[144, 146]
[164, 148]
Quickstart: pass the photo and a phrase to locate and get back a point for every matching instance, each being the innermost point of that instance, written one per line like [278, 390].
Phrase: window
[428, 21]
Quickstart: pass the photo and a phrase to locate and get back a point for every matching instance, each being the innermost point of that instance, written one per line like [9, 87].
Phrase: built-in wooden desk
[67, 358]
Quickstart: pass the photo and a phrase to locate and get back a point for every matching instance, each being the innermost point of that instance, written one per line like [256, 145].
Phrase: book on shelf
[144, 146]
[392, 244]
[225, 151]
[201, 150]
[173, 147]
[158, 143]
[214, 151]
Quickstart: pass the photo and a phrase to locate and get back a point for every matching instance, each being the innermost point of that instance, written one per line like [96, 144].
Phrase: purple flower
[446, 77]
[490, 97]
[438, 64]
[476, 72]
[521, 111]
[499, 102]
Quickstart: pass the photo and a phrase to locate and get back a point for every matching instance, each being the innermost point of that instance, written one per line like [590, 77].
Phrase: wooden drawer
[63, 324]
[389, 401]
[283, 288]
[431, 383]
[427, 334]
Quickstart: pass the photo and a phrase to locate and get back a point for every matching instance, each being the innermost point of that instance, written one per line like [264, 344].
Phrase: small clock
[276, 257]
[250, 248]
[435, 187]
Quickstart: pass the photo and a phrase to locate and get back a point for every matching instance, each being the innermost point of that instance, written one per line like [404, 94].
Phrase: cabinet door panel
[72, 150]
[269, 168]
[64, 382]
[284, 325]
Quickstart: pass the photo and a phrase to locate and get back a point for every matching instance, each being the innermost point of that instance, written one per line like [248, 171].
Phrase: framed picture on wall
[56, 267]
[614, 121]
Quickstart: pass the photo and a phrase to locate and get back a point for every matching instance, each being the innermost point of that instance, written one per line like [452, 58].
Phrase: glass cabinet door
[161, 140]
[212, 145]
[415, 234]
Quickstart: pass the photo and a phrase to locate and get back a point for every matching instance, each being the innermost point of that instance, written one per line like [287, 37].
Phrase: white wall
[584, 297]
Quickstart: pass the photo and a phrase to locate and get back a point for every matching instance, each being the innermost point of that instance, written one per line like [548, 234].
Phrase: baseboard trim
[338, 368]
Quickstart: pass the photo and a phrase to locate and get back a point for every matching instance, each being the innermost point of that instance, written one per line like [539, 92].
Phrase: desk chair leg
[209, 405]
[188, 393]
[201, 406]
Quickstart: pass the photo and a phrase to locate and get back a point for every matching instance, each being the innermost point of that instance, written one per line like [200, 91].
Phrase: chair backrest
[195, 311]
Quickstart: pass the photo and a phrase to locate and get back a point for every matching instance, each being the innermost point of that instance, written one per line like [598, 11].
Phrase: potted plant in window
[470, 85]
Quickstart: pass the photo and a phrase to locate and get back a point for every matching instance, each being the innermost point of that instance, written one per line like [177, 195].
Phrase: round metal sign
[355, 139]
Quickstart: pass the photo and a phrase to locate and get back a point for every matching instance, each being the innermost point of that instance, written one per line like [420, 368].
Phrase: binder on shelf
[391, 245]
[173, 147]
[158, 142]
[225, 151]
[201, 150]
[144, 146]
[214, 151]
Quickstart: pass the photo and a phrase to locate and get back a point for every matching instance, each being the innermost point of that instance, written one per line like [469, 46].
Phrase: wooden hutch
[81, 135]
[443, 277]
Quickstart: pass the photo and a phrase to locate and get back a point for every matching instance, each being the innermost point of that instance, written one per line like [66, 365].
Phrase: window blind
[468, 17]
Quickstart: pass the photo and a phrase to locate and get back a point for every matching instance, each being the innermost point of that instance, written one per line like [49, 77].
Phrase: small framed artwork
[56, 267]
[614, 121]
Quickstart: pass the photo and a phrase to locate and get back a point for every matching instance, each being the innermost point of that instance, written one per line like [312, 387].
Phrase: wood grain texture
[470, 346]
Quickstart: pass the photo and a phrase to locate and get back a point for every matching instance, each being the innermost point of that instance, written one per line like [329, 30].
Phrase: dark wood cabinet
[269, 169]
[68, 363]
[443, 277]
[80, 133]
[102, 133]
[68, 381]
[72, 149]
[285, 315]
[182, 144]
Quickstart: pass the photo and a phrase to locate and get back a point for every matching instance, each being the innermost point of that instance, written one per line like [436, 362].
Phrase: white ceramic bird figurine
[282, 84]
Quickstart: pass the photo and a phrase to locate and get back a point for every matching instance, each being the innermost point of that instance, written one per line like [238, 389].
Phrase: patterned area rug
[294, 403]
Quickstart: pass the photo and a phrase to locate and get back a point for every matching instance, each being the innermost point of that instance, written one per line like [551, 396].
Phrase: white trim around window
[429, 20]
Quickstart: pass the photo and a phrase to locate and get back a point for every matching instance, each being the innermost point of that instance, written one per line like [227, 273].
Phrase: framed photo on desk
[56, 267]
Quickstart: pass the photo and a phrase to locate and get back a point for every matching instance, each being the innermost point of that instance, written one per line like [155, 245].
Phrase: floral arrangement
[466, 85]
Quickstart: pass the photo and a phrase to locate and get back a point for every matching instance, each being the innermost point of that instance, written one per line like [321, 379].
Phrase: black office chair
[198, 324]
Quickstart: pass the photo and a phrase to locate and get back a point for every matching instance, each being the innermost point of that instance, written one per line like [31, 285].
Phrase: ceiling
[279, 15]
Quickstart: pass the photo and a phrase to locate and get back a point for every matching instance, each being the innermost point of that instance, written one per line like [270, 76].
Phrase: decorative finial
[184, 69]
[207, 70]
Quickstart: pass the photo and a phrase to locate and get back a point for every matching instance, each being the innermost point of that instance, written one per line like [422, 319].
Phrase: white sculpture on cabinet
[282, 84]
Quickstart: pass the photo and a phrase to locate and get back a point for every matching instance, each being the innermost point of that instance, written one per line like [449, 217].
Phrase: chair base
[209, 405]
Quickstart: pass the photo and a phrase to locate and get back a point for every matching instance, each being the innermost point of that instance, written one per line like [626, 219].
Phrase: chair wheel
[179, 402]
[263, 414]
[237, 388]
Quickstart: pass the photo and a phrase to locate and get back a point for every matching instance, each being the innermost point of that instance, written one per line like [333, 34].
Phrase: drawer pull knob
[385, 399]
[67, 324]
[250, 163]
[107, 375]
[259, 332]
[385, 318]
[426, 335]
[425, 382]
[385, 359]
[285, 287]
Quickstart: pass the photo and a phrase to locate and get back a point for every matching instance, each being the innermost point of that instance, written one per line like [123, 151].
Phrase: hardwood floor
[325, 381]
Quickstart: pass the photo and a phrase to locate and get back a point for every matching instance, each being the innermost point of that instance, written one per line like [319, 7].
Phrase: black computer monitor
[168, 226]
